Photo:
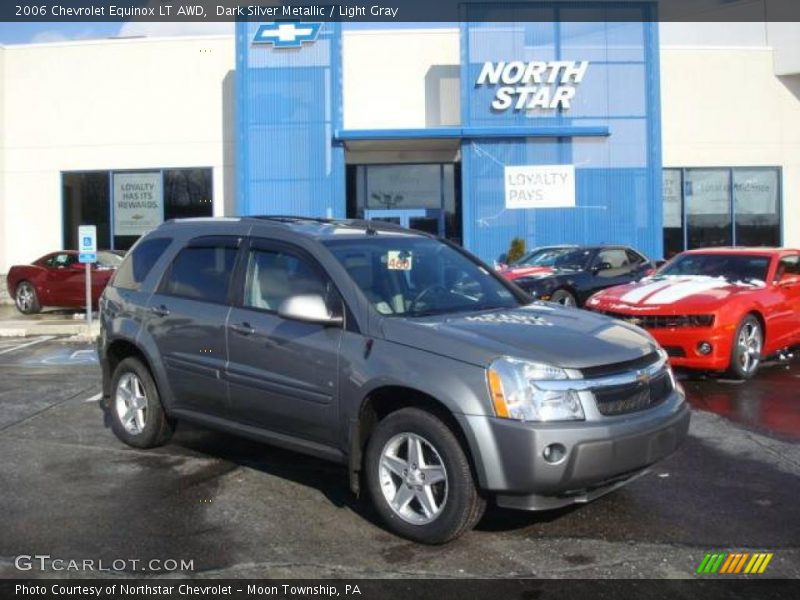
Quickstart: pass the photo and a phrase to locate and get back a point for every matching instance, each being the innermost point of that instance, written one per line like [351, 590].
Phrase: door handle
[244, 329]
[160, 310]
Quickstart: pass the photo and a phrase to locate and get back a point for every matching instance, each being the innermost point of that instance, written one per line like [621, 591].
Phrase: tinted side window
[273, 276]
[634, 257]
[615, 257]
[201, 273]
[789, 265]
[60, 261]
[136, 266]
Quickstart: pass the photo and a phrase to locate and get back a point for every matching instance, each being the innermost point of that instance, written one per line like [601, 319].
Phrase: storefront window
[708, 208]
[124, 205]
[757, 207]
[673, 213]
[427, 193]
[85, 202]
[723, 207]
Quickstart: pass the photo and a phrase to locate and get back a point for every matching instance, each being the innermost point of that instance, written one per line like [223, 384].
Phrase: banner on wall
[138, 202]
[540, 186]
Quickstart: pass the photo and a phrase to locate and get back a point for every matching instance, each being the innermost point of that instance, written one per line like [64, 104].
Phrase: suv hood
[564, 337]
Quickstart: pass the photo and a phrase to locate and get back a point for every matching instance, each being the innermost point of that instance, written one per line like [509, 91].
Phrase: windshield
[543, 257]
[415, 276]
[731, 267]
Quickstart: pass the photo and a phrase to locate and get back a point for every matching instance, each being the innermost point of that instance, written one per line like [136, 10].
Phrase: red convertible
[58, 279]
[722, 309]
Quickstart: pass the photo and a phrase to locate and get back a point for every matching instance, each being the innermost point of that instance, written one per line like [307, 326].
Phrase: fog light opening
[704, 348]
[554, 453]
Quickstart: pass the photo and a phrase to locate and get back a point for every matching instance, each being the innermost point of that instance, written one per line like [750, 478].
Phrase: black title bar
[398, 10]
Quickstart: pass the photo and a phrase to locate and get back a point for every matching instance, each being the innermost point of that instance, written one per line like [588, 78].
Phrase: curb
[74, 331]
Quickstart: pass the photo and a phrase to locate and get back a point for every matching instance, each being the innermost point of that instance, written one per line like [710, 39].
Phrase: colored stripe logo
[734, 563]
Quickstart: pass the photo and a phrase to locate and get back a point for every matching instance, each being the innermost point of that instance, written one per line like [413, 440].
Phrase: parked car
[576, 273]
[716, 309]
[537, 261]
[58, 279]
[436, 381]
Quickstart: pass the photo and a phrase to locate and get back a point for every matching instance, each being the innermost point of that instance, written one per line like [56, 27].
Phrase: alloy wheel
[749, 347]
[25, 297]
[413, 478]
[131, 403]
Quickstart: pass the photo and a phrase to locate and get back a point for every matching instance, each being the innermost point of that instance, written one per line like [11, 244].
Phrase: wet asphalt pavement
[235, 508]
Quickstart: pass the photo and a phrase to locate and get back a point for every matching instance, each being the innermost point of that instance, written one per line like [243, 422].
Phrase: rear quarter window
[202, 271]
[139, 262]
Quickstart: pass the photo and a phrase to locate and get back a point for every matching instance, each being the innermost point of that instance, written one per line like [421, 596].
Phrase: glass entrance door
[429, 220]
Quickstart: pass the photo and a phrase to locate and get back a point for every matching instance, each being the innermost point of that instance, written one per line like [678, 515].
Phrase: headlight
[676, 385]
[519, 391]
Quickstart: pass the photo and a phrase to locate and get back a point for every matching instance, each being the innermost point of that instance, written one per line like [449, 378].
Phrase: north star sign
[547, 85]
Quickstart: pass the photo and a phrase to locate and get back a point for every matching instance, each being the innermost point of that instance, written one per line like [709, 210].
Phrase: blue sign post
[87, 254]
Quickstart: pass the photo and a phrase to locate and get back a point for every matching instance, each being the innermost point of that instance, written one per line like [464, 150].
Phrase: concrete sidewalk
[48, 322]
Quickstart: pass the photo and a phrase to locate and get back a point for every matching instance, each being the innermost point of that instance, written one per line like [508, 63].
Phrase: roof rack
[371, 226]
[291, 219]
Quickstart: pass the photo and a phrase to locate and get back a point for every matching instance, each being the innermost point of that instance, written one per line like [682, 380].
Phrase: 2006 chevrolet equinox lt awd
[438, 383]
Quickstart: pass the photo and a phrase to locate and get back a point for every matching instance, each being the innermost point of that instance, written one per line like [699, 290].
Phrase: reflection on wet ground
[769, 403]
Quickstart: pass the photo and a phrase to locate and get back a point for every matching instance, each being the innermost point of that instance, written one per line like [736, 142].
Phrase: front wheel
[26, 299]
[748, 343]
[137, 416]
[564, 298]
[420, 479]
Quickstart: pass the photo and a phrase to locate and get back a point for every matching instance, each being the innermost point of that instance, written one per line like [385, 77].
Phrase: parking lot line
[31, 343]
[94, 398]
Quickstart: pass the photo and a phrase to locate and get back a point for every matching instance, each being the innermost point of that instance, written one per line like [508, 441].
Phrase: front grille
[632, 397]
[663, 321]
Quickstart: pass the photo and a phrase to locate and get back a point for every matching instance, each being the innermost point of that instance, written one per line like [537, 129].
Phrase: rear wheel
[748, 344]
[137, 416]
[26, 299]
[420, 479]
[563, 297]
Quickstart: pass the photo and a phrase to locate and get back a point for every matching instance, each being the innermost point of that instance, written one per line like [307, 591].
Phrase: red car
[538, 261]
[58, 279]
[721, 309]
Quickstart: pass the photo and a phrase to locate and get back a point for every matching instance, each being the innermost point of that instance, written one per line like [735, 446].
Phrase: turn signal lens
[496, 389]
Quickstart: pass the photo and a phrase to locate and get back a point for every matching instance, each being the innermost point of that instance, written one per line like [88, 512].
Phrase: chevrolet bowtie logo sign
[287, 35]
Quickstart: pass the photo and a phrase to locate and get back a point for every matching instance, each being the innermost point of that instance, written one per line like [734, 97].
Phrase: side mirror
[660, 263]
[309, 308]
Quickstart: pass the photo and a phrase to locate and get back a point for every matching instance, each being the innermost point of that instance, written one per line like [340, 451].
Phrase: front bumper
[600, 455]
[681, 345]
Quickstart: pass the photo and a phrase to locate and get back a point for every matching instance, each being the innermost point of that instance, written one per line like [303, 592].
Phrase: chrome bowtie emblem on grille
[635, 321]
[642, 377]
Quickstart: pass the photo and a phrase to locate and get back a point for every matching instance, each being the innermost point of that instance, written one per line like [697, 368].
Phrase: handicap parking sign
[87, 236]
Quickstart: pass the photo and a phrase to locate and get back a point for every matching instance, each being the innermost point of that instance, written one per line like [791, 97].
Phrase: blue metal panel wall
[289, 102]
[618, 178]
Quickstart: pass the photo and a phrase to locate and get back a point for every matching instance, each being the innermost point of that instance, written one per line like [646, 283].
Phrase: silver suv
[439, 384]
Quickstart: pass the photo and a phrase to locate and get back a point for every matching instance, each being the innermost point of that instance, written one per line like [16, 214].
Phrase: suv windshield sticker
[398, 260]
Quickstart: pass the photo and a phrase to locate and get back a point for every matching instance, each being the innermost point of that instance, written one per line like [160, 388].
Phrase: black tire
[739, 367]
[157, 426]
[564, 297]
[26, 299]
[462, 506]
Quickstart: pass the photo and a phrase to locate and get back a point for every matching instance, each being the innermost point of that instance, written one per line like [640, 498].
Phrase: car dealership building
[544, 127]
